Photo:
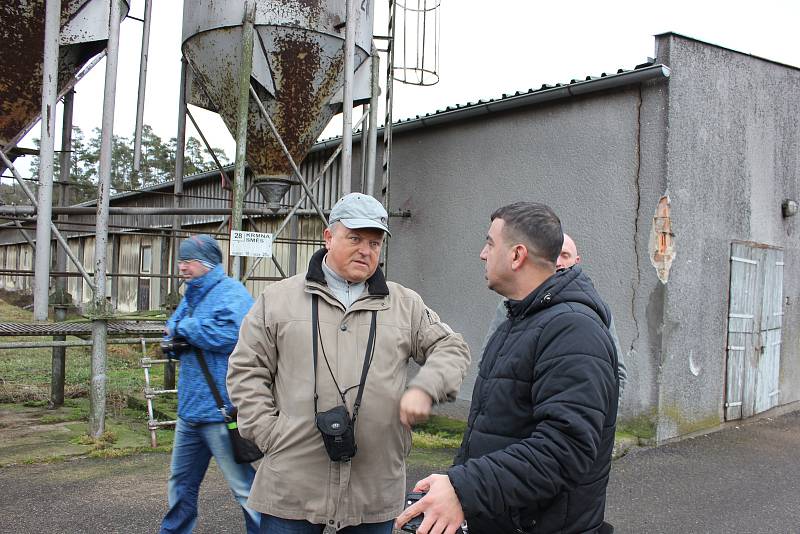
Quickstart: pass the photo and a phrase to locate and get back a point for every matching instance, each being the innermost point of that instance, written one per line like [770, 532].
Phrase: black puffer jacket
[537, 451]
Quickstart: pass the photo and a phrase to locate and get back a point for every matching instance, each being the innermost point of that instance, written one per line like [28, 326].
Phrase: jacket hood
[566, 285]
[376, 284]
[197, 288]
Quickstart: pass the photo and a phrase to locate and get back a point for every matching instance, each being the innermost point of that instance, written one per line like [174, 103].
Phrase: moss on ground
[643, 427]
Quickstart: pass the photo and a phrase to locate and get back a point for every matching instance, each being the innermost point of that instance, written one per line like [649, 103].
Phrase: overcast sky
[486, 49]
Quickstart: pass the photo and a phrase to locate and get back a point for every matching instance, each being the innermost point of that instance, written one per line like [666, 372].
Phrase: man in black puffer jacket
[537, 451]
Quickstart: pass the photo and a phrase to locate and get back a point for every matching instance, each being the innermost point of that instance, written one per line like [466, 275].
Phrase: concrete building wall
[582, 156]
[732, 158]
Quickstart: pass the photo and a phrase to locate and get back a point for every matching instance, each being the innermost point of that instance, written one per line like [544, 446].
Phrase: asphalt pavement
[745, 479]
[742, 479]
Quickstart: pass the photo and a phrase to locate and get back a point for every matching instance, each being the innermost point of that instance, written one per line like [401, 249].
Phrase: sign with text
[251, 244]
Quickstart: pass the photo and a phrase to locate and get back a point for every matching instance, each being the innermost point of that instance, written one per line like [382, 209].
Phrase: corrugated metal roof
[522, 98]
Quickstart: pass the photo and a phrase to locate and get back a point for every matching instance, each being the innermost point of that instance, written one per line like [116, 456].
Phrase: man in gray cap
[319, 376]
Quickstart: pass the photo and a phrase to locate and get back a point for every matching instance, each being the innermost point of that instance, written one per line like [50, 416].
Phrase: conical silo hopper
[298, 68]
[84, 32]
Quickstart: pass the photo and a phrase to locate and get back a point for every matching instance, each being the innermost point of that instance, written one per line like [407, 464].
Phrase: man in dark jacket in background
[537, 451]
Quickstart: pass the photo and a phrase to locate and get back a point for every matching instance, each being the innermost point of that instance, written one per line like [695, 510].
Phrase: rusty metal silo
[298, 69]
[84, 32]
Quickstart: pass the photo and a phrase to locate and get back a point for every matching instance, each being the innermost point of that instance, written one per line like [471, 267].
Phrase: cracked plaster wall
[732, 157]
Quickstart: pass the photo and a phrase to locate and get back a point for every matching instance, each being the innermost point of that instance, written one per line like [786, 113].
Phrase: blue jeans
[275, 525]
[192, 449]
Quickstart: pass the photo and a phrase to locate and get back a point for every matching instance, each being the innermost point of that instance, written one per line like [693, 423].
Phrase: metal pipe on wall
[97, 393]
[41, 284]
[137, 139]
[347, 99]
[243, 105]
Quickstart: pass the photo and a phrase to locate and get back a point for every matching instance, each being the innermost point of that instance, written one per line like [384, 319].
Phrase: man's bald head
[569, 254]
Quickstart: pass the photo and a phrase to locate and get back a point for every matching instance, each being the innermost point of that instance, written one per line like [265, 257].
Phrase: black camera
[338, 433]
[415, 522]
[171, 347]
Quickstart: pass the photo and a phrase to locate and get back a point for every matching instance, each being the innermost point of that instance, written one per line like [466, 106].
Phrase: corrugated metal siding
[11, 263]
[88, 263]
[155, 285]
[206, 191]
[128, 264]
[26, 263]
[74, 283]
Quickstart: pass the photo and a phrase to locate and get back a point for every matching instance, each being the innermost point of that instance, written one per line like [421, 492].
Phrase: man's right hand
[442, 509]
[415, 407]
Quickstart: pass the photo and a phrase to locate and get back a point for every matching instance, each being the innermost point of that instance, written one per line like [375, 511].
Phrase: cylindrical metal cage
[417, 42]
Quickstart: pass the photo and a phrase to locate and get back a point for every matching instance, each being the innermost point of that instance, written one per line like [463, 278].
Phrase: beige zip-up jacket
[270, 380]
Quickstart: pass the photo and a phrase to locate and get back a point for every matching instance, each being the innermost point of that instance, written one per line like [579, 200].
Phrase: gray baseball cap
[358, 210]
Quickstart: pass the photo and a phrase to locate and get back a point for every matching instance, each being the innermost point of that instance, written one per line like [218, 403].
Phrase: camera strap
[367, 357]
[211, 385]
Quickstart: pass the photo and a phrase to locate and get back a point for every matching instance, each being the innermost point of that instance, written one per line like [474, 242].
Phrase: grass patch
[25, 373]
[434, 441]
[431, 459]
[439, 432]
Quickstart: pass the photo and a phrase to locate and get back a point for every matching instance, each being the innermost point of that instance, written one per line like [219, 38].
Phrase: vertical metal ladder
[150, 393]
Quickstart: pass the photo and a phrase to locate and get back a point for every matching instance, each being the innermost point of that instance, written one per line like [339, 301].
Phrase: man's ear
[577, 260]
[328, 235]
[518, 256]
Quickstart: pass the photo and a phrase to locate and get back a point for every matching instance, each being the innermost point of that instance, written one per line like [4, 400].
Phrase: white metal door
[754, 330]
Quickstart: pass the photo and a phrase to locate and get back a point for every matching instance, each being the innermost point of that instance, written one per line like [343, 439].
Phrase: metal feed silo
[298, 69]
[84, 32]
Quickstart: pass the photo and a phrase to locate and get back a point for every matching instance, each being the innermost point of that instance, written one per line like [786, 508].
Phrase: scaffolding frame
[44, 210]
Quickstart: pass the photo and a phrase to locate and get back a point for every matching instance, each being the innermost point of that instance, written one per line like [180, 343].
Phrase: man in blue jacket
[536, 454]
[208, 318]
